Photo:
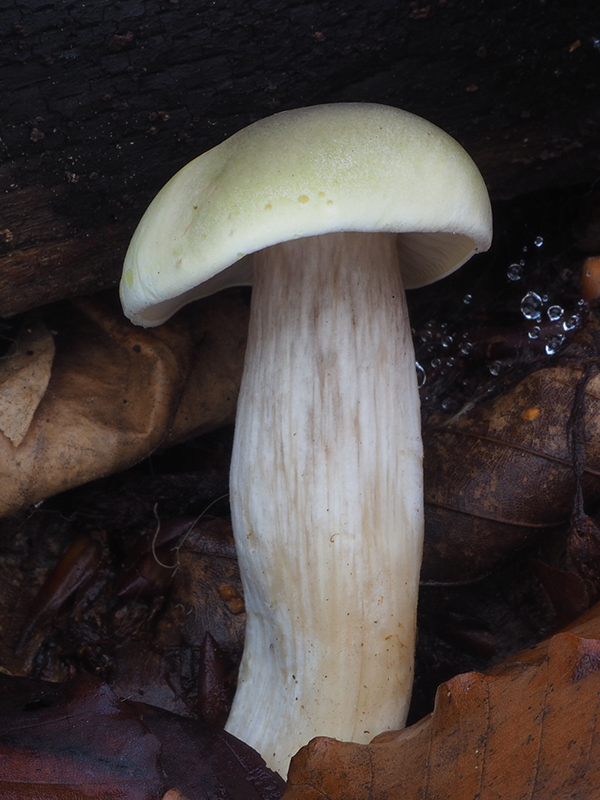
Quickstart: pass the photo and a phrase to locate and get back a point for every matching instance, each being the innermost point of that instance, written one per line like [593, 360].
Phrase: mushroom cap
[321, 169]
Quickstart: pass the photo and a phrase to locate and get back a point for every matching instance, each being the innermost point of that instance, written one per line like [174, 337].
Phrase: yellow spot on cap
[129, 277]
[303, 198]
[268, 207]
[321, 194]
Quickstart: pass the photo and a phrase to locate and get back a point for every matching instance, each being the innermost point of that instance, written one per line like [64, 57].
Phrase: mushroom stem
[326, 493]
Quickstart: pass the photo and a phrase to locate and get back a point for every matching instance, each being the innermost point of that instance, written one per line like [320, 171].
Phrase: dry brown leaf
[501, 474]
[117, 392]
[528, 728]
[24, 376]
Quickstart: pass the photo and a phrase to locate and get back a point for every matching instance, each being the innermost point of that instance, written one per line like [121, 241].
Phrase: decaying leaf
[75, 567]
[207, 763]
[73, 742]
[527, 728]
[152, 616]
[501, 473]
[116, 393]
[166, 659]
[78, 741]
[573, 584]
[24, 375]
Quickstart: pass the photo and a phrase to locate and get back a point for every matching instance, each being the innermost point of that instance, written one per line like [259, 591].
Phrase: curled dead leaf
[115, 393]
[24, 375]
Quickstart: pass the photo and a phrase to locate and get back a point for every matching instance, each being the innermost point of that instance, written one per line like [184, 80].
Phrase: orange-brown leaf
[528, 728]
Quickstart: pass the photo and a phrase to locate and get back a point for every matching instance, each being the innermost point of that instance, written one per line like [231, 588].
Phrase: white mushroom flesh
[326, 494]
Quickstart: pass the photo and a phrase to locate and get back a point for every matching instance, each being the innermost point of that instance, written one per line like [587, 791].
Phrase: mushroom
[342, 206]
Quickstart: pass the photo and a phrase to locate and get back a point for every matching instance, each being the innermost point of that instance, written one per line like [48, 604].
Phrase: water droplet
[571, 322]
[514, 272]
[466, 348]
[447, 341]
[468, 298]
[448, 404]
[534, 333]
[538, 241]
[426, 336]
[495, 367]
[531, 306]
[436, 362]
[450, 362]
[421, 376]
[555, 313]
[553, 342]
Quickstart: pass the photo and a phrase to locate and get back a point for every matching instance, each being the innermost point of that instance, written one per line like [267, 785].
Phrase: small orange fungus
[532, 413]
[232, 599]
[590, 278]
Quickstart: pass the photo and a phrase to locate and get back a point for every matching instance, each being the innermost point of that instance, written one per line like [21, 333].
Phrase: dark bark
[101, 102]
